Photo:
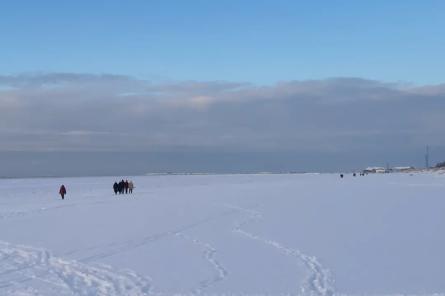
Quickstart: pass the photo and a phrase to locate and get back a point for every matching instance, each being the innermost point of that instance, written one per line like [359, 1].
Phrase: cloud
[64, 111]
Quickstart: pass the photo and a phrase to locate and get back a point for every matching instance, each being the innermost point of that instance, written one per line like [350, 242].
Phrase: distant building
[381, 170]
[374, 170]
[402, 169]
[440, 164]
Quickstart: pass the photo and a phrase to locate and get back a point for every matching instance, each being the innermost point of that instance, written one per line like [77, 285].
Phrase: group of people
[354, 175]
[123, 187]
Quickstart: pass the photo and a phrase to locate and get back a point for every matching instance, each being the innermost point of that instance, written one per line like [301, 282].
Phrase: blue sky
[267, 85]
[261, 42]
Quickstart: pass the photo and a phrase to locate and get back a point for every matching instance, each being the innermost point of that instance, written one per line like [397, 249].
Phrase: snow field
[311, 234]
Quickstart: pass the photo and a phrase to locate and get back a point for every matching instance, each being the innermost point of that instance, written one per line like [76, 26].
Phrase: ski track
[22, 267]
[319, 283]
[116, 248]
[13, 214]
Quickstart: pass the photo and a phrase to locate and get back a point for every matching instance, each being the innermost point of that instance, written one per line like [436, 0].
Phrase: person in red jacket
[62, 191]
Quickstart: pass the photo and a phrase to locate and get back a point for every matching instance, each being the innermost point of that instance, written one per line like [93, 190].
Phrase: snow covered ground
[225, 235]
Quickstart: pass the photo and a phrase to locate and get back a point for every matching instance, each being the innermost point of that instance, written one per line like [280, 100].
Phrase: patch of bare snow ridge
[22, 267]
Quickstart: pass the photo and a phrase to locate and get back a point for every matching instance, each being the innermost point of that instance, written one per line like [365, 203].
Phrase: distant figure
[354, 174]
[341, 176]
[62, 191]
[121, 186]
[126, 186]
[115, 187]
[130, 186]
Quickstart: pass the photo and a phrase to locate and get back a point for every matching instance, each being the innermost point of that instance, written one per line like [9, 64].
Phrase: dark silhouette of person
[115, 187]
[121, 187]
[62, 191]
[341, 176]
[126, 186]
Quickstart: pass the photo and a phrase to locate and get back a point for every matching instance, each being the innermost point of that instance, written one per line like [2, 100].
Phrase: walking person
[130, 186]
[62, 191]
[121, 186]
[115, 187]
[126, 186]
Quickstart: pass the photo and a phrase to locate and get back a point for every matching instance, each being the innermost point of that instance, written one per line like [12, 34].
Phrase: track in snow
[14, 214]
[99, 252]
[22, 267]
[209, 254]
[208, 251]
[319, 283]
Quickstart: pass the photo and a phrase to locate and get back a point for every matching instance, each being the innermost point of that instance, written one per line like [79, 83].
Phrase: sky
[222, 86]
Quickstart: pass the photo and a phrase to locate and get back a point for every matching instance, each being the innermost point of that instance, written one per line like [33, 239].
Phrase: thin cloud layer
[85, 112]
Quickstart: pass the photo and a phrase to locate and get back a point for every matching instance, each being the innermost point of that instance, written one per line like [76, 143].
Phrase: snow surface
[311, 234]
